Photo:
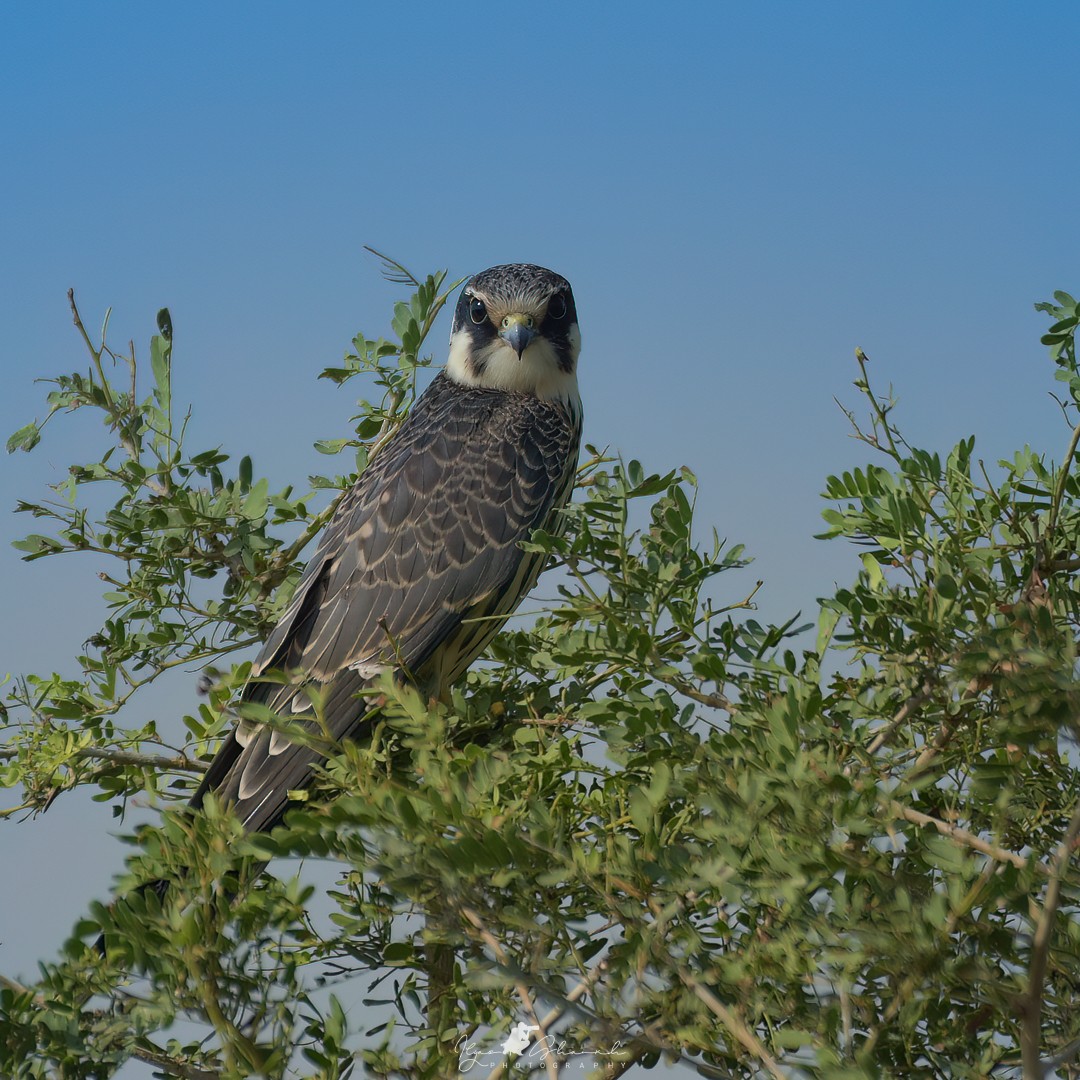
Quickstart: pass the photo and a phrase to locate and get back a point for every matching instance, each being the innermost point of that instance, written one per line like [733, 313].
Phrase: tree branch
[495, 946]
[1031, 1002]
[905, 712]
[746, 1038]
[179, 762]
[284, 557]
[557, 1013]
[14, 985]
[961, 836]
[1059, 490]
[153, 1054]
[146, 1050]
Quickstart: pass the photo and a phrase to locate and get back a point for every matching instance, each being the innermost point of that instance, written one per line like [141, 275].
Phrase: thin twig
[557, 1013]
[579, 991]
[154, 1055]
[495, 946]
[14, 985]
[944, 734]
[961, 836]
[905, 712]
[1068, 565]
[1032, 1001]
[749, 1041]
[647, 1040]
[313, 527]
[1065, 1055]
[115, 418]
[911, 982]
[1059, 491]
[393, 270]
[936, 745]
[611, 1067]
[180, 762]
[714, 700]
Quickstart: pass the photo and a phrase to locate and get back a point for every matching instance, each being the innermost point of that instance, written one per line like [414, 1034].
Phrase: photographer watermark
[530, 1051]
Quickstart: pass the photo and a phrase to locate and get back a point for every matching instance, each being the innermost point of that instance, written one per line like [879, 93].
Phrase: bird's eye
[477, 310]
[557, 307]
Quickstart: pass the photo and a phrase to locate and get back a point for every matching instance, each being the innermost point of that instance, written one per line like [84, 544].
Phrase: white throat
[496, 366]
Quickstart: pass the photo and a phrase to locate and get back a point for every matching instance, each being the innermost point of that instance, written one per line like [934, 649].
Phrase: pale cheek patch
[457, 363]
[536, 372]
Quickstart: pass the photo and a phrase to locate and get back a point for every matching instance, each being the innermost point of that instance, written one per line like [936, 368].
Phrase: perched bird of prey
[422, 562]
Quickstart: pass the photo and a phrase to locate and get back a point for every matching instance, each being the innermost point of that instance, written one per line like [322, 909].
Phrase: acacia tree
[648, 825]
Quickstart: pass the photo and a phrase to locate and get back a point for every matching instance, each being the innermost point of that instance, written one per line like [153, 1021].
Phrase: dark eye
[557, 307]
[477, 310]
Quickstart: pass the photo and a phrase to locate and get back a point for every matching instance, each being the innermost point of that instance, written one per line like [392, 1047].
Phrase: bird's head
[515, 328]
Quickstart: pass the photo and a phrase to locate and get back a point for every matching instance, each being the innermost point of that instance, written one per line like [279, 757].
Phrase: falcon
[422, 563]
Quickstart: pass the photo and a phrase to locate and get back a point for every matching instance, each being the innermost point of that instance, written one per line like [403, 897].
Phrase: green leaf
[160, 365]
[258, 501]
[398, 952]
[641, 811]
[947, 587]
[26, 438]
[331, 446]
[873, 570]
[37, 545]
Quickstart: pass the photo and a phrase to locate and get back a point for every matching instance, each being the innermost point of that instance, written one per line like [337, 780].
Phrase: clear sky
[739, 193]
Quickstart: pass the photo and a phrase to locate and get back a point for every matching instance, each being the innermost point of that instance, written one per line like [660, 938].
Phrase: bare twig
[936, 745]
[579, 991]
[312, 529]
[961, 836]
[1059, 491]
[713, 700]
[945, 732]
[154, 1055]
[1032, 1000]
[129, 447]
[1067, 565]
[647, 1041]
[747, 1039]
[556, 1014]
[1065, 1055]
[13, 985]
[612, 1067]
[393, 270]
[179, 762]
[495, 946]
[905, 712]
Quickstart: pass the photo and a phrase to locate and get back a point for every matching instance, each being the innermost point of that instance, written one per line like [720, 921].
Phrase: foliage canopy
[648, 824]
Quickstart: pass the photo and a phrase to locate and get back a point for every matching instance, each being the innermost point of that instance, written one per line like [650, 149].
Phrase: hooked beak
[517, 331]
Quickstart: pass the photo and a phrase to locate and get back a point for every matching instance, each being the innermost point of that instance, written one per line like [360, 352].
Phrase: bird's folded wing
[431, 530]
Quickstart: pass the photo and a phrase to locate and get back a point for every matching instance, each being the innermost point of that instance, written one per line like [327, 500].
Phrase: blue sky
[740, 195]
